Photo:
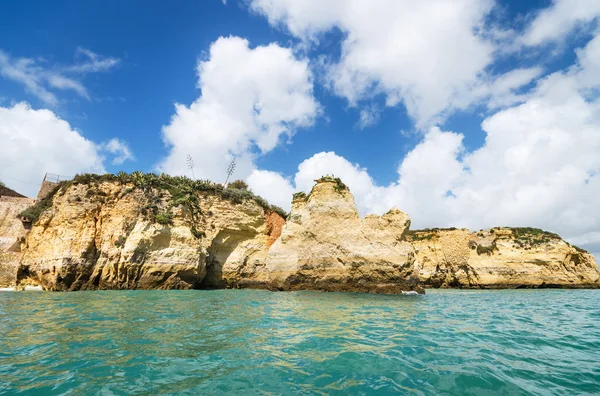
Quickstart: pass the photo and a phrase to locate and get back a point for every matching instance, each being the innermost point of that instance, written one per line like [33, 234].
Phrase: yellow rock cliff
[106, 236]
[122, 232]
[501, 258]
[325, 245]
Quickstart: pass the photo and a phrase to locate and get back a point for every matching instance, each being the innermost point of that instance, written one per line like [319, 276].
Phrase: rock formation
[326, 246]
[501, 258]
[12, 235]
[157, 232]
[109, 236]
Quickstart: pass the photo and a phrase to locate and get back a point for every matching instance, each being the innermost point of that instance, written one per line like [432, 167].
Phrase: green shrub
[238, 184]
[33, 212]
[163, 218]
[182, 189]
[299, 195]
[533, 236]
[420, 235]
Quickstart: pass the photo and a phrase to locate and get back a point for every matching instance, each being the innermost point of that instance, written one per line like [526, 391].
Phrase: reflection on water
[227, 341]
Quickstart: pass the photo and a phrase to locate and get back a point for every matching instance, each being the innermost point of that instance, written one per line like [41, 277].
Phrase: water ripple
[256, 342]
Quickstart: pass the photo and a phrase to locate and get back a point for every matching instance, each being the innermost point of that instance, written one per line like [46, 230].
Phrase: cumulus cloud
[432, 56]
[273, 185]
[39, 79]
[251, 99]
[555, 22]
[368, 116]
[435, 57]
[539, 165]
[38, 141]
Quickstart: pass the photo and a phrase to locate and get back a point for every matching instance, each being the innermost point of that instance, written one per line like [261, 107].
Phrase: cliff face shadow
[221, 248]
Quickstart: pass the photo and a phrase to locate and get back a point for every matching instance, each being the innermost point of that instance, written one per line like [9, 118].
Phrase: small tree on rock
[239, 184]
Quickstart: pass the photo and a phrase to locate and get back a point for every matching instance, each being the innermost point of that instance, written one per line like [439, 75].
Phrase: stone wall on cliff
[325, 245]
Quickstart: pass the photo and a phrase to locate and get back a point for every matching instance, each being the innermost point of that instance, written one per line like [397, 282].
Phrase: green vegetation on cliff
[532, 236]
[182, 190]
[425, 233]
[339, 184]
[33, 212]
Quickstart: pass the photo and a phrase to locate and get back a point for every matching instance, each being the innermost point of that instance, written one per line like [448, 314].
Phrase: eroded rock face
[106, 235]
[501, 258]
[12, 234]
[101, 237]
[325, 245]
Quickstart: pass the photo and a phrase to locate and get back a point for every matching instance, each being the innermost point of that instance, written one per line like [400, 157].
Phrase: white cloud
[92, 62]
[61, 82]
[272, 185]
[435, 57]
[430, 55]
[37, 141]
[120, 150]
[555, 22]
[38, 78]
[250, 99]
[24, 71]
[368, 116]
[539, 166]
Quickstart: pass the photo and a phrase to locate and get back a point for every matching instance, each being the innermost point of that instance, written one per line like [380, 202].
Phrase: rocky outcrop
[325, 245]
[112, 236]
[12, 235]
[159, 232]
[501, 258]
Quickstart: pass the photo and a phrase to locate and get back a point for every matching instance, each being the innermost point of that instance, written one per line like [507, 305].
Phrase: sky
[466, 113]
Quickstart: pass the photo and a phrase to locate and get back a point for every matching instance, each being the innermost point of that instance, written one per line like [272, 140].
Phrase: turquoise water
[259, 342]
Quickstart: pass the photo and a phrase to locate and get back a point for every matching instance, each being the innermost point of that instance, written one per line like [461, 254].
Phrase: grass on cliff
[33, 212]
[181, 188]
[425, 234]
[339, 185]
[533, 236]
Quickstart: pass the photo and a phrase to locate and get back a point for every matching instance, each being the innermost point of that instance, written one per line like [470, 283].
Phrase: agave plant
[139, 178]
[123, 177]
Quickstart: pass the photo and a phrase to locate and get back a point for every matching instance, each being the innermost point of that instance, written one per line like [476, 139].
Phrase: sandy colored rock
[109, 235]
[12, 234]
[99, 237]
[325, 245]
[501, 258]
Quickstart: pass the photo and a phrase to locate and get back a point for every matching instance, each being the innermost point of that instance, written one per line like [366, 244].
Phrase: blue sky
[471, 113]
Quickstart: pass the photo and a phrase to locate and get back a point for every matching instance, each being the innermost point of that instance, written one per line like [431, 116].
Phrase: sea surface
[544, 342]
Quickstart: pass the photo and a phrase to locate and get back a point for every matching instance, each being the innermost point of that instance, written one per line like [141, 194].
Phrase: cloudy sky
[468, 113]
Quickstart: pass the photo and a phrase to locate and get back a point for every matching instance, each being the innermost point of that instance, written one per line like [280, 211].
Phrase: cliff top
[181, 189]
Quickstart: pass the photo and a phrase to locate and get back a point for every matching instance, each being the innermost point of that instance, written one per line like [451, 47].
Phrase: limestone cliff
[109, 235]
[501, 258]
[12, 234]
[326, 246]
[159, 232]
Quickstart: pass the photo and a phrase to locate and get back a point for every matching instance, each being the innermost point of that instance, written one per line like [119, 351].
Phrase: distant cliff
[158, 232]
[501, 258]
